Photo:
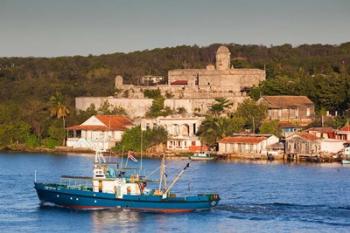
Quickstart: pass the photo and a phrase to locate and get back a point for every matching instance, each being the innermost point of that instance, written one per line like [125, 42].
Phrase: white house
[98, 132]
[247, 143]
[331, 145]
[181, 131]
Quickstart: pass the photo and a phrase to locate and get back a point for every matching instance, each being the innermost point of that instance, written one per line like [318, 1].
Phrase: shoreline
[169, 155]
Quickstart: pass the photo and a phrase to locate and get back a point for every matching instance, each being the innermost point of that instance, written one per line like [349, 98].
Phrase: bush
[152, 94]
[50, 143]
[32, 141]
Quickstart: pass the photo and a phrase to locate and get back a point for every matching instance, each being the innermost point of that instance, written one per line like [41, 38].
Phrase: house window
[308, 112]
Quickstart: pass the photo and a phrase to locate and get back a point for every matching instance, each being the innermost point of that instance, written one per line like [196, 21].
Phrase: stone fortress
[191, 89]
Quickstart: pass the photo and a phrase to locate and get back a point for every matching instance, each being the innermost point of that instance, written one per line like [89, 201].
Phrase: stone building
[192, 89]
[296, 109]
[181, 130]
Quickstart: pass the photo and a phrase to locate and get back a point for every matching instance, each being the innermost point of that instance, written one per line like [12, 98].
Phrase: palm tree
[213, 129]
[220, 105]
[59, 109]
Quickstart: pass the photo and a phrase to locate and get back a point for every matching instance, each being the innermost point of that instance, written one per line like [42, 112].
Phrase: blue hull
[84, 199]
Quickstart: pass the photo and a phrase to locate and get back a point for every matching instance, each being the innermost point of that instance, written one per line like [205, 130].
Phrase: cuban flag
[131, 156]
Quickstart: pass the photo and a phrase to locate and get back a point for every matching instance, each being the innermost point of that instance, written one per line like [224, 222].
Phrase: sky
[81, 27]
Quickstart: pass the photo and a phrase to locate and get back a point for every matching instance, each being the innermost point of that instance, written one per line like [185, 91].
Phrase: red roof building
[98, 131]
[343, 133]
[322, 132]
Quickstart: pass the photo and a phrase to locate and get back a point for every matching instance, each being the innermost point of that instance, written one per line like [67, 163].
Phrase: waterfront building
[181, 130]
[99, 131]
[247, 144]
[308, 144]
[299, 110]
[322, 132]
[343, 133]
[302, 143]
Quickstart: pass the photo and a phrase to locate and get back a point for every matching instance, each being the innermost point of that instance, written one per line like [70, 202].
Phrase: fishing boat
[346, 157]
[204, 156]
[113, 187]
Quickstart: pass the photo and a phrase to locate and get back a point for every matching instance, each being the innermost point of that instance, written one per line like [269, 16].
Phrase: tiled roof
[345, 128]
[179, 82]
[285, 101]
[321, 129]
[111, 122]
[243, 139]
[115, 122]
[307, 136]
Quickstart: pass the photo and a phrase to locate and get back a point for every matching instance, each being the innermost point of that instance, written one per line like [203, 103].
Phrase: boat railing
[76, 182]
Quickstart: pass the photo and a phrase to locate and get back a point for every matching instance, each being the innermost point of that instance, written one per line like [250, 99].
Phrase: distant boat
[346, 158]
[113, 188]
[202, 156]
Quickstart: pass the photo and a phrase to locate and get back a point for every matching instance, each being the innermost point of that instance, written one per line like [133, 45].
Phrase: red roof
[111, 122]
[345, 128]
[243, 139]
[179, 82]
[321, 129]
[198, 148]
[307, 136]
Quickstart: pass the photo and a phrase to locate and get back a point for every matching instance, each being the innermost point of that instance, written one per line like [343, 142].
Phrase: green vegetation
[213, 129]
[131, 139]
[219, 107]
[248, 115]
[158, 109]
[270, 127]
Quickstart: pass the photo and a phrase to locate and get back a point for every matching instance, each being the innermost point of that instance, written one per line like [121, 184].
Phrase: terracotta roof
[321, 129]
[345, 128]
[307, 136]
[198, 148]
[115, 122]
[179, 82]
[243, 139]
[286, 101]
[111, 122]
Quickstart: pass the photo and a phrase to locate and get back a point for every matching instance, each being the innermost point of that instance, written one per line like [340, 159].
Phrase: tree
[59, 109]
[107, 108]
[131, 139]
[252, 113]
[220, 105]
[270, 127]
[213, 129]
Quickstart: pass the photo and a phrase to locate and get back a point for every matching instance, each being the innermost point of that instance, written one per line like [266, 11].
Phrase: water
[256, 197]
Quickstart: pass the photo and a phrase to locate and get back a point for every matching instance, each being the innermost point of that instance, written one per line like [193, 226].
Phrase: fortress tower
[223, 58]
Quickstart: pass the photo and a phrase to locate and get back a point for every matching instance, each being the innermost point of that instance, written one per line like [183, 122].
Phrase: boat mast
[175, 180]
[141, 150]
[162, 181]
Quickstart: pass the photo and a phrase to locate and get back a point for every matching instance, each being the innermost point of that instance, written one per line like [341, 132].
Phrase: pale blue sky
[81, 27]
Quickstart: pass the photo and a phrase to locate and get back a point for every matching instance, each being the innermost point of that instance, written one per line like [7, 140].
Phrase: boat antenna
[175, 180]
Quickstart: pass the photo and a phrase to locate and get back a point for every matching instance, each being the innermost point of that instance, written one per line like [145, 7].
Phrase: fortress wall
[138, 107]
[133, 107]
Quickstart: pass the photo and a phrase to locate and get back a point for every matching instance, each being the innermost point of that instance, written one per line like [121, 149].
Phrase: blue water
[256, 197]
